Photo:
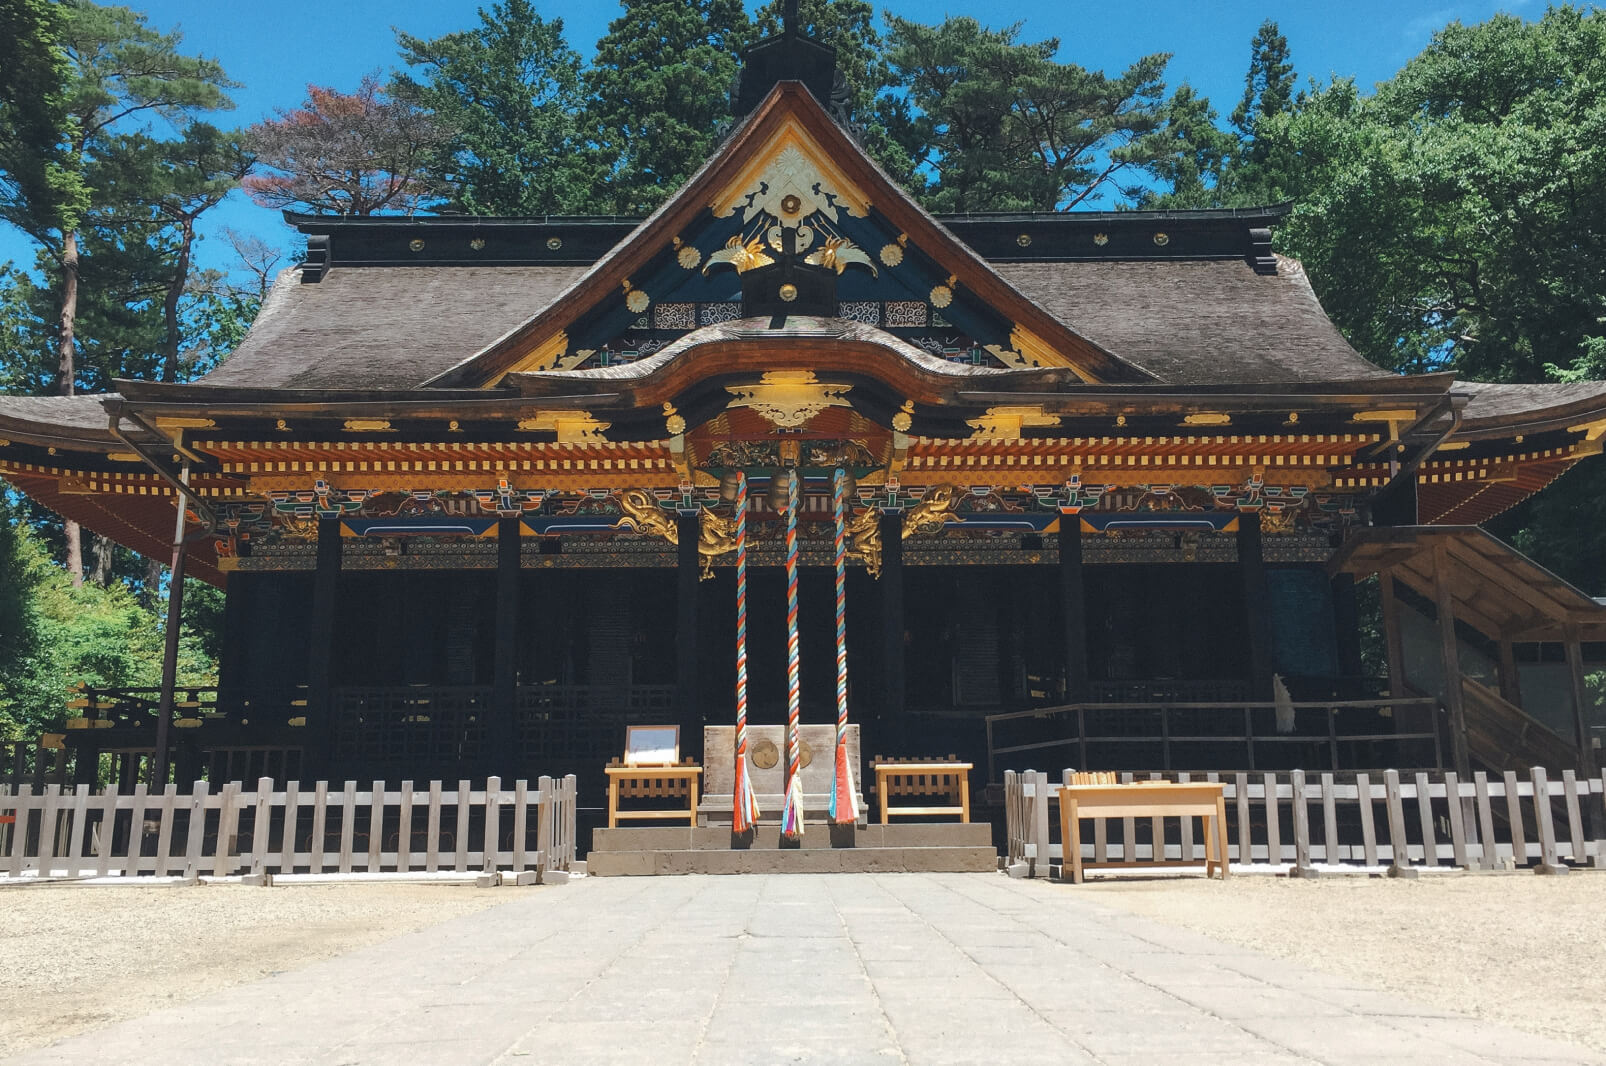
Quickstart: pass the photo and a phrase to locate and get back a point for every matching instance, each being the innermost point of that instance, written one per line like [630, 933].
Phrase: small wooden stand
[1145, 799]
[923, 779]
[652, 769]
[653, 782]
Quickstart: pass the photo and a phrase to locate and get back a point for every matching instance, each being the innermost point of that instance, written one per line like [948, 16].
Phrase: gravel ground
[77, 958]
[1519, 949]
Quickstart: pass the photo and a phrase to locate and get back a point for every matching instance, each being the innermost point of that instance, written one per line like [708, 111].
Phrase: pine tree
[510, 90]
[1005, 126]
[1263, 170]
[660, 91]
[114, 74]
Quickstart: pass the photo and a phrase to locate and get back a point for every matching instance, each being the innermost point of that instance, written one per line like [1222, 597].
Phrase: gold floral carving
[790, 166]
[788, 398]
[367, 425]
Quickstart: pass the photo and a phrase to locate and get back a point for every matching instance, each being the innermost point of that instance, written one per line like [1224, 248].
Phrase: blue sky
[276, 55]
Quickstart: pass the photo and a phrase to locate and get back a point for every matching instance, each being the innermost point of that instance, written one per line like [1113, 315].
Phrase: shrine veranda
[470, 487]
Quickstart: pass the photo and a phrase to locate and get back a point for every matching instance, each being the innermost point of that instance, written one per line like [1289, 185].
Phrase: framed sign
[652, 745]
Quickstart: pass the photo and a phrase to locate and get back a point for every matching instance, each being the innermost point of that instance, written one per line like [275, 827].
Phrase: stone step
[793, 861]
[815, 836]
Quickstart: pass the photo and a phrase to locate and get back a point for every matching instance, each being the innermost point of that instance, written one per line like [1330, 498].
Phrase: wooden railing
[1387, 821]
[1172, 729]
[308, 829]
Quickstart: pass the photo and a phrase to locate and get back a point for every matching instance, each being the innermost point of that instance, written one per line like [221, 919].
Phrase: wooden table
[938, 770]
[1144, 799]
[653, 782]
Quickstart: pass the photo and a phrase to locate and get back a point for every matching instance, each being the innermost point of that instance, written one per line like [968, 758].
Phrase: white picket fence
[1305, 822]
[298, 829]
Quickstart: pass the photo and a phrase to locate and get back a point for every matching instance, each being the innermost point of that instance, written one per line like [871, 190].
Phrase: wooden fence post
[493, 830]
[1458, 828]
[543, 827]
[1363, 796]
[1519, 840]
[1399, 851]
[1544, 823]
[1301, 811]
[1488, 848]
[1424, 813]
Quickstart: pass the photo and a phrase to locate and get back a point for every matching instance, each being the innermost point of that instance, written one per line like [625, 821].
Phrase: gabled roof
[789, 138]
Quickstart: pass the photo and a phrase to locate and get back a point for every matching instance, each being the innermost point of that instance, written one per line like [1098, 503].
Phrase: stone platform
[907, 848]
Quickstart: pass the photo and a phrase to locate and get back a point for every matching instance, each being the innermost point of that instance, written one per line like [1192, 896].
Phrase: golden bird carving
[839, 253]
[743, 257]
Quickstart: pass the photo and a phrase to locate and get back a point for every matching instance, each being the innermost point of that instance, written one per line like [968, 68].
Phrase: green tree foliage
[660, 90]
[56, 635]
[37, 182]
[1002, 125]
[1261, 170]
[360, 153]
[104, 75]
[1457, 218]
[510, 88]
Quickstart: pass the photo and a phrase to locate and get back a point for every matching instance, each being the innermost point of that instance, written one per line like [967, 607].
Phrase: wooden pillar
[1580, 692]
[1347, 624]
[231, 665]
[687, 572]
[1073, 608]
[1510, 678]
[1257, 603]
[1391, 634]
[1451, 657]
[175, 615]
[500, 756]
[892, 657]
[320, 648]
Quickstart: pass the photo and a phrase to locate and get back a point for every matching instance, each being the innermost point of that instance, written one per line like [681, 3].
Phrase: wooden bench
[653, 782]
[923, 777]
[1143, 799]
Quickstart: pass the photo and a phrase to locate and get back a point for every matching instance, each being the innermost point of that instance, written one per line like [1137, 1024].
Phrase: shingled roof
[1197, 322]
[384, 327]
[1190, 322]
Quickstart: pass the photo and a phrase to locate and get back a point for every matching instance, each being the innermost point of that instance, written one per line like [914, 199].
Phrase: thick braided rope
[792, 812]
[844, 807]
[744, 804]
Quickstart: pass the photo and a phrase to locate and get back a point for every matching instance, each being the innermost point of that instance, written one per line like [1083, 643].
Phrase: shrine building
[1112, 479]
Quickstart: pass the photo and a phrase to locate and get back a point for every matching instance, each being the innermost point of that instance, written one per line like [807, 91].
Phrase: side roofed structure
[463, 476]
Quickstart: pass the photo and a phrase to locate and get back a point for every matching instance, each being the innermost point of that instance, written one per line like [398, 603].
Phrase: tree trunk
[153, 582]
[105, 555]
[65, 373]
[175, 290]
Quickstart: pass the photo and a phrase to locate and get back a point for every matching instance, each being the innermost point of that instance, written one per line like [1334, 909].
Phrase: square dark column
[320, 650]
[892, 650]
[500, 754]
[1252, 565]
[1073, 607]
[688, 570]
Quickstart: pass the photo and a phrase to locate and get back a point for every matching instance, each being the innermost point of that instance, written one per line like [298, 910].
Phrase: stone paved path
[892, 968]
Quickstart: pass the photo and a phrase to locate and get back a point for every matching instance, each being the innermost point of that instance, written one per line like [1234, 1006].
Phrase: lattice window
[715, 313]
[907, 313]
[865, 311]
[674, 316]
